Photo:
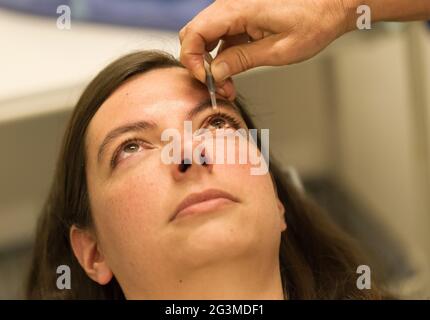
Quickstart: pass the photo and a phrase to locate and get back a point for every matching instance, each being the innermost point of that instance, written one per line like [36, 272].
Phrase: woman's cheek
[132, 199]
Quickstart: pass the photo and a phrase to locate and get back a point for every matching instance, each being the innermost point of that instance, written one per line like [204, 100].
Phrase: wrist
[350, 15]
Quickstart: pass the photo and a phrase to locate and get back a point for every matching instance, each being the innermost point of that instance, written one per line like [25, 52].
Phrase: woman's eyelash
[233, 122]
[114, 159]
[230, 120]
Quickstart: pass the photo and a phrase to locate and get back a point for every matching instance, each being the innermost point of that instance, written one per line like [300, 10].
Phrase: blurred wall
[360, 115]
[382, 157]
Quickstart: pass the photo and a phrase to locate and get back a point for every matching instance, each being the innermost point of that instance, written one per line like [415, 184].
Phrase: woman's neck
[248, 280]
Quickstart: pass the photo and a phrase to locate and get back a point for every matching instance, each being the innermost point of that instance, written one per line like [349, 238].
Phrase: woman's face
[133, 193]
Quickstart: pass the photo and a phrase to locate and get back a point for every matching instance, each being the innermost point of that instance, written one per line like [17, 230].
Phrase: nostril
[184, 165]
[203, 160]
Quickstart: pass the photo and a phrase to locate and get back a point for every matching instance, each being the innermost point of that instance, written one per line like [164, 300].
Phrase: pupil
[218, 123]
[131, 147]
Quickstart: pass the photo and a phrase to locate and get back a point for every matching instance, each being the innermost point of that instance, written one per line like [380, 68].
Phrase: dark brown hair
[317, 260]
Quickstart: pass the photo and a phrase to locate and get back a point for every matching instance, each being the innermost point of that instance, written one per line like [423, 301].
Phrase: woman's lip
[205, 201]
[202, 207]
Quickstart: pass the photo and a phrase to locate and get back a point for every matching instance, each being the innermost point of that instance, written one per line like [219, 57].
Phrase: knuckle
[184, 29]
[184, 59]
[278, 52]
[182, 33]
[243, 58]
[197, 26]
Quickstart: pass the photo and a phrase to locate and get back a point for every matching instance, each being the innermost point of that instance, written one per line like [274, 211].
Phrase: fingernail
[221, 91]
[199, 76]
[221, 71]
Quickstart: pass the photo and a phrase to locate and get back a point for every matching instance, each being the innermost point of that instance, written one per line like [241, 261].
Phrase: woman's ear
[281, 210]
[91, 259]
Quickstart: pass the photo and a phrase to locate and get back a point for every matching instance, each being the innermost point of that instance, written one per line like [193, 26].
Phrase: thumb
[239, 58]
[195, 64]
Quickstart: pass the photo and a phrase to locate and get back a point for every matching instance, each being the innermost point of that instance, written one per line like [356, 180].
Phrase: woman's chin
[214, 242]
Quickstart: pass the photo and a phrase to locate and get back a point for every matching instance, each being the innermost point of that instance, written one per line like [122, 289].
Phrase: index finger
[209, 26]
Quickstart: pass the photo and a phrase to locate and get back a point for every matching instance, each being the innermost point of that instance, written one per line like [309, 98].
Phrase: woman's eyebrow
[145, 125]
[206, 104]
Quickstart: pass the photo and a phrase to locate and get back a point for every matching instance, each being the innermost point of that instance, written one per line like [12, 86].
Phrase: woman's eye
[126, 150]
[131, 148]
[222, 121]
[218, 123]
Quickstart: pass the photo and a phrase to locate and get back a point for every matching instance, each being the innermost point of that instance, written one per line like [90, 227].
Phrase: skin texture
[280, 32]
[230, 253]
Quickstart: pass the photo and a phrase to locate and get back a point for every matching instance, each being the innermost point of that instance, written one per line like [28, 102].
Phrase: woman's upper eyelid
[108, 143]
[137, 135]
[135, 139]
[221, 114]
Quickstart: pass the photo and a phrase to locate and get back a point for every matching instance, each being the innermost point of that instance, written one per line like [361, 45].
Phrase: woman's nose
[186, 163]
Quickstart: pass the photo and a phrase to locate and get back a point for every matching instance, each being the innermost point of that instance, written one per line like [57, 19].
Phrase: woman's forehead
[155, 85]
[150, 94]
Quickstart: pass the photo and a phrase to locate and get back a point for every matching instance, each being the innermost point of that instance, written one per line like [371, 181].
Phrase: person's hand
[260, 33]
